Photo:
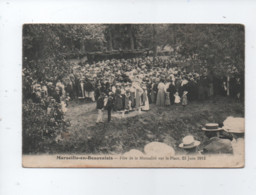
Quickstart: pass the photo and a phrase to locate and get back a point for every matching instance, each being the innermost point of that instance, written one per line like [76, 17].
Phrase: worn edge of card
[121, 161]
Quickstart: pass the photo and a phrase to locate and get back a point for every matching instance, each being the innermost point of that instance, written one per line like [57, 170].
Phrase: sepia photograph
[133, 95]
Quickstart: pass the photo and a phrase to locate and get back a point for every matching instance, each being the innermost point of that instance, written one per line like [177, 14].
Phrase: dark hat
[212, 127]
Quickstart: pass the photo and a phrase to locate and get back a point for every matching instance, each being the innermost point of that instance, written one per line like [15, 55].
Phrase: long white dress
[167, 94]
[177, 98]
[146, 106]
[160, 100]
[138, 93]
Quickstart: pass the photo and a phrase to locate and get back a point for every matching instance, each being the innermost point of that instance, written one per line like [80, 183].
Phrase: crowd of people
[128, 84]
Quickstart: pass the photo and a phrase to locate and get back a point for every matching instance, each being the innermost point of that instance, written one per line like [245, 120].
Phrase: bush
[39, 130]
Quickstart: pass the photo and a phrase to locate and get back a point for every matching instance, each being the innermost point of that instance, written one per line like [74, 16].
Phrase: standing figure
[126, 101]
[177, 98]
[110, 105]
[178, 86]
[81, 89]
[154, 92]
[184, 99]
[123, 94]
[89, 90]
[167, 94]
[138, 93]
[57, 95]
[71, 84]
[61, 86]
[118, 100]
[97, 92]
[149, 90]
[132, 97]
[77, 86]
[100, 107]
[145, 100]
[172, 91]
[160, 100]
[69, 89]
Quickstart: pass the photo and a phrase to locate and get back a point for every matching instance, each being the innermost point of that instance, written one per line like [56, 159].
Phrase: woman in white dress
[138, 94]
[160, 100]
[167, 94]
[177, 98]
[145, 107]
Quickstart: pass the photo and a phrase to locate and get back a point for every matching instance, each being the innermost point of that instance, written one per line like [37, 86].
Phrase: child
[184, 100]
[177, 98]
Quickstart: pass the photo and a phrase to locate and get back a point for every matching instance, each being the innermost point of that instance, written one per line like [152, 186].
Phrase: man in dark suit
[97, 92]
[172, 90]
[100, 107]
[110, 105]
[89, 88]
[219, 142]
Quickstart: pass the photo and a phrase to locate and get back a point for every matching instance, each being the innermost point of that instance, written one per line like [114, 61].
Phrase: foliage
[122, 135]
[55, 40]
[35, 128]
[219, 46]
[40, 129]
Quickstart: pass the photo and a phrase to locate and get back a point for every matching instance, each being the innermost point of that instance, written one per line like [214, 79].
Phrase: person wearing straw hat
[219, 141]
[189, 144]
[217, 130]
[235, 126]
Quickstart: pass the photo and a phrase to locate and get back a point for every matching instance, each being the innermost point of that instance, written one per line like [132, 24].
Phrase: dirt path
[81, 113]
[86, 113]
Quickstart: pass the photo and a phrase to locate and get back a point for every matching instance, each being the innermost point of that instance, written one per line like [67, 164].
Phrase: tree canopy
[217, 46]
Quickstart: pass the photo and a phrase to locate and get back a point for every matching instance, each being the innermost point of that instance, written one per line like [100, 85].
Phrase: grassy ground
[162, 124]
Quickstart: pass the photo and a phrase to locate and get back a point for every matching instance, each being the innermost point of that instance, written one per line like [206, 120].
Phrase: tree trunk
[82, 46]
[110, 40]
[131, 36]
[228, 79]
[154, 44]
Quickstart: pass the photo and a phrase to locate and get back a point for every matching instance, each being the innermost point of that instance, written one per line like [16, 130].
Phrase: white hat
[189, 142]
[158, 149]
[234, 124]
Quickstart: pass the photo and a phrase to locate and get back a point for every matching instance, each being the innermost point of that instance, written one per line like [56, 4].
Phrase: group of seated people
[220, 141]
